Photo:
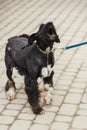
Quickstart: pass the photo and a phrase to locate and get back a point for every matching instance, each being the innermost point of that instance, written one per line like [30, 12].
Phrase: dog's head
[47, 35]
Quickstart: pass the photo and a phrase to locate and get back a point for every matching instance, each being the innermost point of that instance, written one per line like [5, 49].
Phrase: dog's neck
[47, 51]
[43, 47]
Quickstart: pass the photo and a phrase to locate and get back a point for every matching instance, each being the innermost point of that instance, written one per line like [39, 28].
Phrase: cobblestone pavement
[68, 110]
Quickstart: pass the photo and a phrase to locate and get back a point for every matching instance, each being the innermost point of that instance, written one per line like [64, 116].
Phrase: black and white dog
[33, 57]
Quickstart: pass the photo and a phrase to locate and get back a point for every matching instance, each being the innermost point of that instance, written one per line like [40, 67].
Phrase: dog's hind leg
[31, 88]
[10, 88]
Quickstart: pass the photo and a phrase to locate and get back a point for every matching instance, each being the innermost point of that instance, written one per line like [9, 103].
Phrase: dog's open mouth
[51, 33]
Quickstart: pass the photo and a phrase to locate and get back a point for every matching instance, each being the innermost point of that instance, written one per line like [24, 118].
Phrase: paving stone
[76, 90]
[61, 118]
[74, 129]
[19, 101]
[68, 109]
[83, 106]
[79, 85]
[67, 77]
[80, 122]
[14, 106]
[4, 127]
[1, 89]
[57, 100]
[27, 110]
[86, 90]
[67, 73]
[46, 118]
[64, 82]
[3, 95]
[21, 96]
[59, 126]
[82, 74]
[7, 120]
[4, 101]
[1, 107]
[73, 98]
[84, 98]
[20, 124]
[59, 92]
[51, 108]
[26, 116]
[61, 87]
[39, 127]
[82, 112]
[81, 80]
[10, 112]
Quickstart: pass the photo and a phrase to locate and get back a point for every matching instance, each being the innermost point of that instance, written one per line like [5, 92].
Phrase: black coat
[29, 60]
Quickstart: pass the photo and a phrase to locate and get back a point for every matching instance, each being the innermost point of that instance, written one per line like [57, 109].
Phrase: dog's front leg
[31, 88]
[48, 85]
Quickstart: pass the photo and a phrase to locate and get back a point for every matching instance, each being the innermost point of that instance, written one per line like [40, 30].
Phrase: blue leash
[73, 46]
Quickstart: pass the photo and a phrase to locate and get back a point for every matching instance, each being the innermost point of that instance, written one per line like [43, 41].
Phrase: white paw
[48, 99]
[48, 96]
[40, 88]
[40, 84]
[47, 87]
[11, 93]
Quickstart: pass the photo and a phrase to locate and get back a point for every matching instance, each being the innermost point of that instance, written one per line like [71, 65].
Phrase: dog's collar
[44, 52]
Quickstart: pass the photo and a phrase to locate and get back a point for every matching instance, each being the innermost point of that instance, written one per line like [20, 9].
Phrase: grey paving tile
[68, 110]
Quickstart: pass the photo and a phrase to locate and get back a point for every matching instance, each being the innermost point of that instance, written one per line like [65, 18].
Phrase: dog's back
[17, 42]
[14, 49]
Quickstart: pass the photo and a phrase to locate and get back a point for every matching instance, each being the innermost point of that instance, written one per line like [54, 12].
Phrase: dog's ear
[32, 38]
[38, 34]
[41, 26]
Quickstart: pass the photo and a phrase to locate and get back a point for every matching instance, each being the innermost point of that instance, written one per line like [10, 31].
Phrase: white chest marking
[46, 71]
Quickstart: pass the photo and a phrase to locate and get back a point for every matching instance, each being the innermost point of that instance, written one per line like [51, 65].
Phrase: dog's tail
[24, 35]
